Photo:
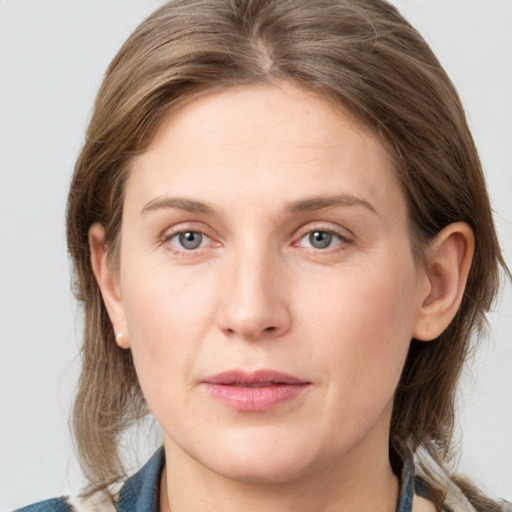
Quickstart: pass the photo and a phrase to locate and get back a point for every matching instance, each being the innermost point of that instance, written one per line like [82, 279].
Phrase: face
[267, 287]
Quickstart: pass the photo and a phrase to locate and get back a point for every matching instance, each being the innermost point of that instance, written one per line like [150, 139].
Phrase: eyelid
[336, 243]
[169, 233]
[345, 236]
[343, 233]
[202, 243]
[345, 239]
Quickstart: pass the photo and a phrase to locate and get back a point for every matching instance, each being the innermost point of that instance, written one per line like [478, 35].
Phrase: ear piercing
[119, 335]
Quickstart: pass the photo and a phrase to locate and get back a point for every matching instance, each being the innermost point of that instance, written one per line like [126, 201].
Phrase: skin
[256, 294]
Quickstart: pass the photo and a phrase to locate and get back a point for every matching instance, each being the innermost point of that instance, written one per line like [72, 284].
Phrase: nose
[255, 302]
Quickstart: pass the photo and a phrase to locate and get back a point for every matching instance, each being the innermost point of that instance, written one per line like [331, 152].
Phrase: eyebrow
[318, 203]
[301, 206]
[177, 202]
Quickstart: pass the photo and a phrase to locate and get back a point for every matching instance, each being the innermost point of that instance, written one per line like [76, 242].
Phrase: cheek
[167, 314]
[363, 327]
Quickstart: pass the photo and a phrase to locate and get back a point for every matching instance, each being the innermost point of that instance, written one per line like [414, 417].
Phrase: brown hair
[360, 53]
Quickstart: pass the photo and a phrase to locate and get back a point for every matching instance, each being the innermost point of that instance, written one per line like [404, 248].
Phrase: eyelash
[167, 238]
[343, 241]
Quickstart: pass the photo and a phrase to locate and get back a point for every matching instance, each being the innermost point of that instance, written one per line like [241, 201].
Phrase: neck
[354, 484]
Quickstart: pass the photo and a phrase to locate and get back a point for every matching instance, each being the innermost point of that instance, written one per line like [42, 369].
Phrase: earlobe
[108, 283]
[449, 262]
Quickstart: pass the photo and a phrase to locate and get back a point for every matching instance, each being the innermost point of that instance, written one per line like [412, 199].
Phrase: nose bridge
[255, 302]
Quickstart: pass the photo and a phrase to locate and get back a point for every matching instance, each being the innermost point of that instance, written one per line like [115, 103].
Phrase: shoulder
[455, 499]
[139, 493]
[99, 502]
[52, 505]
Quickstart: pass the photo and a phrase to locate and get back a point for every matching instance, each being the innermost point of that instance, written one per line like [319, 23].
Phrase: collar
[407, 485]
[140, 493]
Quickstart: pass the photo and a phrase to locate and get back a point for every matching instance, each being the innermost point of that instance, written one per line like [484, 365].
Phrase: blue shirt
[140, 493]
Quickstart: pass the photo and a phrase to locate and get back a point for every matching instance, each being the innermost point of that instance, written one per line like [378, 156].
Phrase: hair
[361, 54]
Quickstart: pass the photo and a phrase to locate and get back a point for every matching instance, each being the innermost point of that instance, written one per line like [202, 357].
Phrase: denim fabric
[140, 493]
[406, 488]
[53, 505]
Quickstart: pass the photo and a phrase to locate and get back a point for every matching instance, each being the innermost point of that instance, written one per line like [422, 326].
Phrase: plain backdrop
[52, 57]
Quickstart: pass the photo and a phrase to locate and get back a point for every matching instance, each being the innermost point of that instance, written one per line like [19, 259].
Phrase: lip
[257, 391]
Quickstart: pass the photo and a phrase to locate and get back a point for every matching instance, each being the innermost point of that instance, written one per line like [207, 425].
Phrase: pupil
[191, 240]
[320, 239]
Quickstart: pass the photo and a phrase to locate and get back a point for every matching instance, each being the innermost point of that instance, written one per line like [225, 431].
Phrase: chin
[274, 468]
[259, 459]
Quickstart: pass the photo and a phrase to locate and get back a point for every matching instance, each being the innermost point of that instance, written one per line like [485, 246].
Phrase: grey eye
[190, 239]
[320, 239]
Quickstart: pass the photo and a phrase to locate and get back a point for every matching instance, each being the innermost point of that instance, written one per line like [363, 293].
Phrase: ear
[108, 283]
[449, 261]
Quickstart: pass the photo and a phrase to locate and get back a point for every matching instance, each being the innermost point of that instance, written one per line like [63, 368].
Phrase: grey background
[52, 57]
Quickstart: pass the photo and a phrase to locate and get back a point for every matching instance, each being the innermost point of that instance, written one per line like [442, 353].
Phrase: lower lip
[255, 399]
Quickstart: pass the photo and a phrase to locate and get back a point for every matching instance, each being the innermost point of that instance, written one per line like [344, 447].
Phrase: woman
[283, 242]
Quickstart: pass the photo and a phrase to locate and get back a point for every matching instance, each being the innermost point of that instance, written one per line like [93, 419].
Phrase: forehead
[256, 139]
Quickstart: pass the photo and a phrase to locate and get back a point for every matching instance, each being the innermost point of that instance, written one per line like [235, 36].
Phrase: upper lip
[255, 378]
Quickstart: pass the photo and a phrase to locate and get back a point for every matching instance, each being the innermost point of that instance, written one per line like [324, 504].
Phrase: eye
[321, 239]
[189, 240]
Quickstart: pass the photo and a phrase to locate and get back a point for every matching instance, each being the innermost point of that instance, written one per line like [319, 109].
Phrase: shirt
[140, 493]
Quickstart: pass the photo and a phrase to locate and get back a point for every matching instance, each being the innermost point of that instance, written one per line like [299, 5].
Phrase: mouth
[258, 391]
